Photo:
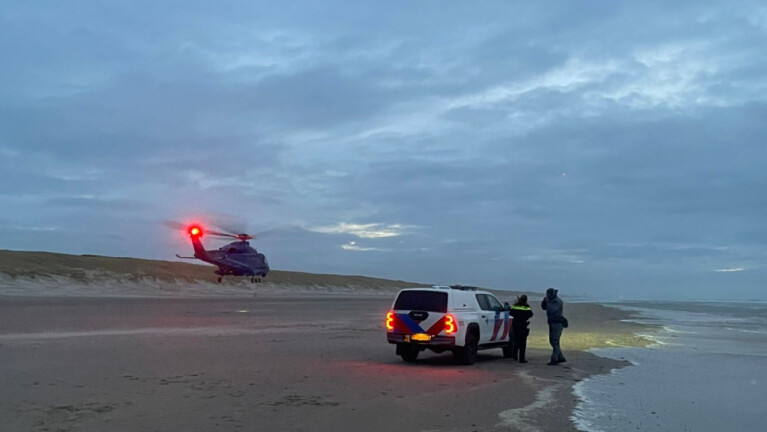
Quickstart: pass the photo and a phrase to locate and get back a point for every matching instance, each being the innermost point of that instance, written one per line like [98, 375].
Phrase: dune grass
[94, 268]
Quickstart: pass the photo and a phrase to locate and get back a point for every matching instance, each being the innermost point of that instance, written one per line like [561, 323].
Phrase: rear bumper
[436, 342]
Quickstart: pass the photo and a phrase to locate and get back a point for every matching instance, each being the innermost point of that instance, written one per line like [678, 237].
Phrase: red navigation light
[195, 231]
[390, 321]
[450, 326]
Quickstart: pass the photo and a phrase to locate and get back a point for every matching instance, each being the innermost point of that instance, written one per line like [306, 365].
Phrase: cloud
[31, 228]
[565, 256]
[730, 270]
[365, 114]
[352, 246]
[367, 231]
[97, 203]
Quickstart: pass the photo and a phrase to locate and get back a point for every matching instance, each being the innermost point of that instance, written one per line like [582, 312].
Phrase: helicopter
[234, 259]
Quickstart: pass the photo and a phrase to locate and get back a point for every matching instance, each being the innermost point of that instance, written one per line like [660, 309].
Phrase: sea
[706, 370]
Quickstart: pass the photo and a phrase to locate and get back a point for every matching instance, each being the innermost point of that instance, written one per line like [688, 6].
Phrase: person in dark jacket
[554, 307]
[521, 314]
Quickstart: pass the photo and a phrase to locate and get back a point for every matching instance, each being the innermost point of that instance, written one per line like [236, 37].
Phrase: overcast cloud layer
[611, 150]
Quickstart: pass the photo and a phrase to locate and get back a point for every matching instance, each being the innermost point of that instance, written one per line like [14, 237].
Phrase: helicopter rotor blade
[232, 227]
[174, 225]
[216, 233]
[183, 227]
[278, 230]
[226, 233]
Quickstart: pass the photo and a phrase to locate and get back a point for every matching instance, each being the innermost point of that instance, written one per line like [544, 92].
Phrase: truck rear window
[430, 301]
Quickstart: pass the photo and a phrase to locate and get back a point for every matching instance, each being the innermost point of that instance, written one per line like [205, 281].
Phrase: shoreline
[556, 399]
[664, 389]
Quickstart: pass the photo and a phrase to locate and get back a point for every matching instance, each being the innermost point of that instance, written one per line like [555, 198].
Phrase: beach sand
[268, 363]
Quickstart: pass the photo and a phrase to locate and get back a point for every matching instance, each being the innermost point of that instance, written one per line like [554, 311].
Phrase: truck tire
[409, 353]
[508, 350]
[467, 354]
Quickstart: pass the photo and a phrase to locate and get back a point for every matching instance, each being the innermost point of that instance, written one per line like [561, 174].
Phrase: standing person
[521, 314]
[554, 307]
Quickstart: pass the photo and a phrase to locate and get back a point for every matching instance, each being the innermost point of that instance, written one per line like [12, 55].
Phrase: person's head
[551, 293]
[522, 300]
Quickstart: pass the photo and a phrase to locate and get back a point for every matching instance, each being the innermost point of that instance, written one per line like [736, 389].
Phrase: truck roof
[453, 288]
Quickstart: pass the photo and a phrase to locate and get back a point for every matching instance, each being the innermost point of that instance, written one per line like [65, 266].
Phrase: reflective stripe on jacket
[521, 315]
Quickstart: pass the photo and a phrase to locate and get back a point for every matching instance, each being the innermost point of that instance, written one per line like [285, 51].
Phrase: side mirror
[506, 306]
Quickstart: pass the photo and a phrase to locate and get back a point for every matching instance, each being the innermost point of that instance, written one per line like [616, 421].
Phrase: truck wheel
[508, 350]
[409, 353]
[467, 354]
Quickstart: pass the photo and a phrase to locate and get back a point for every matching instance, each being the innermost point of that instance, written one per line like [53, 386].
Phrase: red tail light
[450, 324]
[390, 321]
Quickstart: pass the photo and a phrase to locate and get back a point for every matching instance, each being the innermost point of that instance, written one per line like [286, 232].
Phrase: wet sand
[250, 364]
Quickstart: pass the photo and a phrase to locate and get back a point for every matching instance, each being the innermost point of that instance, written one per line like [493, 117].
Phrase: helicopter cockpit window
[232, 251]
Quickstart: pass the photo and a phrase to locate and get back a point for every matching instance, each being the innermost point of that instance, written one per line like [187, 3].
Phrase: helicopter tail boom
[199, 250]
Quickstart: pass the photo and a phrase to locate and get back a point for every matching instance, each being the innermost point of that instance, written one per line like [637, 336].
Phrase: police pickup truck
[447, 318]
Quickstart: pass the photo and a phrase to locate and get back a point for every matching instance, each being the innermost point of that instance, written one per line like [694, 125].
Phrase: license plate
[420, 337]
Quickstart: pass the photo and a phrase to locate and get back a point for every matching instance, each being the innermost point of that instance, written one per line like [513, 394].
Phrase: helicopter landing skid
[252, 280]
[256, 279]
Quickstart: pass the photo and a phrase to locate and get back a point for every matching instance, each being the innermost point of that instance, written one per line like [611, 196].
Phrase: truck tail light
[390, 321]
[450, 324]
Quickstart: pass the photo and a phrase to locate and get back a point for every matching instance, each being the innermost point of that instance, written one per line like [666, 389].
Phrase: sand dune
[45, 273]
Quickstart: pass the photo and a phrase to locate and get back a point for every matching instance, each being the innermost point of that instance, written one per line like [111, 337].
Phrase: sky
[608, 149]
